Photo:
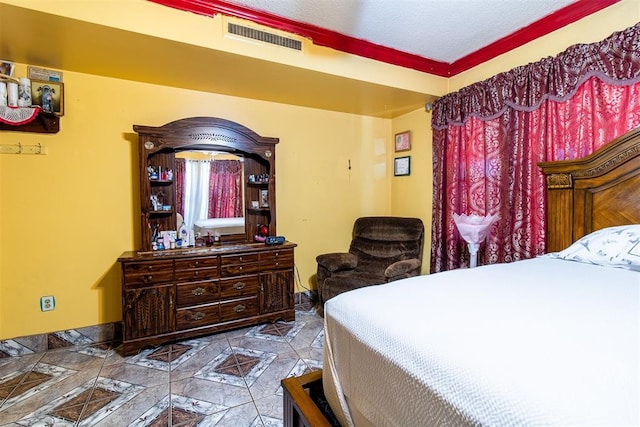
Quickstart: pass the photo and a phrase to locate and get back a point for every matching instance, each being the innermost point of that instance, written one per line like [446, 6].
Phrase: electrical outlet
[47, 303]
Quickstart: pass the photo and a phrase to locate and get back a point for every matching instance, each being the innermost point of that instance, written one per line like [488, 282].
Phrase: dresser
[184, 293]
[231, 280]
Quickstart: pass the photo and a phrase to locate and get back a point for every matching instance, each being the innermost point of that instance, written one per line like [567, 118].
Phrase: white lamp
[474, 229]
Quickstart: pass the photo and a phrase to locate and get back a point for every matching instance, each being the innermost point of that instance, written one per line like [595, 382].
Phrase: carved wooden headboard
[597, 191]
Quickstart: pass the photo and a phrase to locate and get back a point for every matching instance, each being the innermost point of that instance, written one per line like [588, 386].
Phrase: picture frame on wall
[402, 166]
[6, 68]
[403, 141]
[48, 95]
[264, 198]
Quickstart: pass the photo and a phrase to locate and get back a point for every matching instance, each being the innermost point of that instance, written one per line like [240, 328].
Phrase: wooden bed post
[559, 218]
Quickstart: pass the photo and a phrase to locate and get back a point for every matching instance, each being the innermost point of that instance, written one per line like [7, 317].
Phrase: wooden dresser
[183, 293]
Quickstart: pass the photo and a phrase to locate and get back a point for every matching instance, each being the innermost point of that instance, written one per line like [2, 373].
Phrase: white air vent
[264, 36]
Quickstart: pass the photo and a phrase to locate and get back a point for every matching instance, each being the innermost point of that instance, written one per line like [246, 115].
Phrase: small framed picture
[6, 68]
[402, 166]
[403, 141]
[264, 198]
[48, 95]
[255, 204]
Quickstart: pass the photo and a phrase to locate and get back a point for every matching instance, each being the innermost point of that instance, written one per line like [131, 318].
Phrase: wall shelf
[43, 123]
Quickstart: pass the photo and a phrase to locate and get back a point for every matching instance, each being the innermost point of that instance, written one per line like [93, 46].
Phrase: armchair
[383, 249]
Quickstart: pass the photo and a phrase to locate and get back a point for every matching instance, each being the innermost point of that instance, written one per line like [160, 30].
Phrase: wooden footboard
[304, 403]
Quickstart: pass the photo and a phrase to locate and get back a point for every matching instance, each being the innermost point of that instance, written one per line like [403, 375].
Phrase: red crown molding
[542, 27]
[344, 43]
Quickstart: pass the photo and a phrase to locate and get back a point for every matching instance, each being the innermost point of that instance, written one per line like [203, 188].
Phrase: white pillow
[613, 247]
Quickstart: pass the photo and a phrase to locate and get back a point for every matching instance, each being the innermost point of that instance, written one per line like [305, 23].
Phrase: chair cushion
[337, 261]
[380, 241]
[342, 282]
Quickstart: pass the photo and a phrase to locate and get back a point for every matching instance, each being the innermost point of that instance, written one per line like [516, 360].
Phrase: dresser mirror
[209, 187]
[216, 175]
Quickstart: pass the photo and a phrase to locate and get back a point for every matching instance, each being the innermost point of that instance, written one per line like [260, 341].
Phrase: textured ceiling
[441, 30]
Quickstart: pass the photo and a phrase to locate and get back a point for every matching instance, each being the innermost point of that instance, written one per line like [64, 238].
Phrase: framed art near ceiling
[402, 166]
[403, 141]
[48, 95]
[6, 68]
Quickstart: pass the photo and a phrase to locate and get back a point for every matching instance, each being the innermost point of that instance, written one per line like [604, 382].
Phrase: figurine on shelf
[47, 97]
[152, 172]
[262, 231]
[155, 204]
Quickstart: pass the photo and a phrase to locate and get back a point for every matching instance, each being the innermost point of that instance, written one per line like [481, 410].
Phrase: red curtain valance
[615, 60]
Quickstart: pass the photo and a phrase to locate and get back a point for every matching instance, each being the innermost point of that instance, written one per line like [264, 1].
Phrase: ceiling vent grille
[264, 36]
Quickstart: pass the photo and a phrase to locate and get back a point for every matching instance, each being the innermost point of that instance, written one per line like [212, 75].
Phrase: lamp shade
[474, 229]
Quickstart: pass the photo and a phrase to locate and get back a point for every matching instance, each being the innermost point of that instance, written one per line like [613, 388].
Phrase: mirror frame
[158, 145]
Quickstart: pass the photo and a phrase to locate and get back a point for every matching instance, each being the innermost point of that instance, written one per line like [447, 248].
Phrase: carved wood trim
[559, 180]
[609, 164]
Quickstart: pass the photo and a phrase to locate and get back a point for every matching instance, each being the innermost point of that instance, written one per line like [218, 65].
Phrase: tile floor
[227, 379]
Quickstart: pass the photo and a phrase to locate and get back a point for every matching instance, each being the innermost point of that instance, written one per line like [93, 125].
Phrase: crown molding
[366, 49]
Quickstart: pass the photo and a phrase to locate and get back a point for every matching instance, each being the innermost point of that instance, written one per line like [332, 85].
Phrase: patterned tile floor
[227, 379]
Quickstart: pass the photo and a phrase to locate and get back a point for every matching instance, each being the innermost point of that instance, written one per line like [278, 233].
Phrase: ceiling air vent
[263, 36]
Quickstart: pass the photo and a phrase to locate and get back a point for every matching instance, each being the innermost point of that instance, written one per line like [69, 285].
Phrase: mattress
[537, 342]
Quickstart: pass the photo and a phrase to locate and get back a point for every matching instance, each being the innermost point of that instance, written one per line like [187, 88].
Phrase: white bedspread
[536, 342]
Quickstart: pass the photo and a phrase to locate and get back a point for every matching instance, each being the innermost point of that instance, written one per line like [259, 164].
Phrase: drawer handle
[239, 285]
[198, 291]
[149, 268]
[149, 278]
[197, 315]
[239, 308]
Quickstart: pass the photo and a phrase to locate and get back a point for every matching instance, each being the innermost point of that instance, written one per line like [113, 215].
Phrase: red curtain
[489, 137]
[178, 176]
[225, 189]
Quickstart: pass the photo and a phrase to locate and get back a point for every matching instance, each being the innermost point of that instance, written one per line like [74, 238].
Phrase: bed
[553, 340]
[219, 226]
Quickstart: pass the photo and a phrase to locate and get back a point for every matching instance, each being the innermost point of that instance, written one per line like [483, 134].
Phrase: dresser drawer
[194, 317]
[145, 273]
[282, 258]
[196, 269]
[196, 274]
[193, 263]
[239, 308]
[197, 293]
[239, 286]
[231, 265]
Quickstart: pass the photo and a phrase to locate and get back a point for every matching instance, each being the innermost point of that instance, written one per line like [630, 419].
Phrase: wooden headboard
[597, 191]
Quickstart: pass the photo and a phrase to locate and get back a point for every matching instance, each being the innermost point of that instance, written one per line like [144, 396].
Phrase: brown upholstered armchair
[383, 249]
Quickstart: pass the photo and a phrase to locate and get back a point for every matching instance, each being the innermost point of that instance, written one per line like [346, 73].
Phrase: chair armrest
[337, 261]
[402, 269]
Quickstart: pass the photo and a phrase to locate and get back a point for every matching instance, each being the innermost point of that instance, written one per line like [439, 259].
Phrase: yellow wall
[411, 196]
[65, 217]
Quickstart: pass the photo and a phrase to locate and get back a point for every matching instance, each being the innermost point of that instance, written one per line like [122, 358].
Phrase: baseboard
[105, 333]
